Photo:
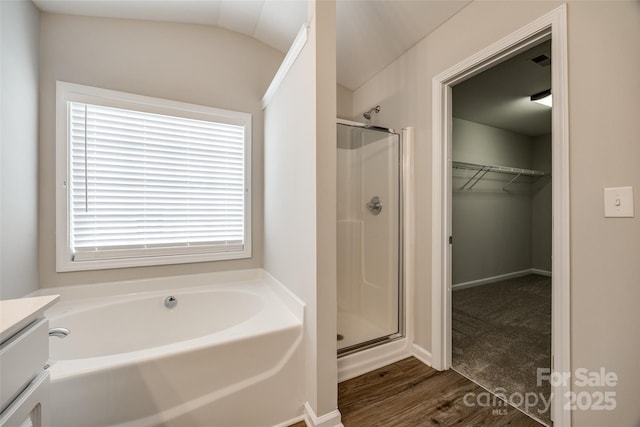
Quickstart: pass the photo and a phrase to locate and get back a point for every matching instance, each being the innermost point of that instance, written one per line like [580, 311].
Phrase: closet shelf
[482, 170]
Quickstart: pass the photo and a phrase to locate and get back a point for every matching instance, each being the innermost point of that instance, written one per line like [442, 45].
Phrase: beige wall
[182, 62]
[19, 148]
[499, 232]
[300, 198]
[541, 207]
[324, 20]
[491, 228]
[604, 98]
[344, 102]
[403, 90]
[290, 196]
[604, 151]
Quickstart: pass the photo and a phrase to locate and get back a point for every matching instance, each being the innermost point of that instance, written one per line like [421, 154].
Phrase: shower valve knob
[375, 205]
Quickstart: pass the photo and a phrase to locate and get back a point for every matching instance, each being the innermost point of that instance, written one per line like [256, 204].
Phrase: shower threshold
[356, 333]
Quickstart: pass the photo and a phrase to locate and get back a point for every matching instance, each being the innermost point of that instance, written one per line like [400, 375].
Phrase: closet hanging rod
[495, 168]
[482, 170]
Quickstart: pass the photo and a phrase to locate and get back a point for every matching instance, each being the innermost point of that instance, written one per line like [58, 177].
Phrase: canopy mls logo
[498, 400]
[598, 398]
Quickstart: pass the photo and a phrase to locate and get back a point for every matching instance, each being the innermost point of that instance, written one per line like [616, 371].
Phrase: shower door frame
[401, 285]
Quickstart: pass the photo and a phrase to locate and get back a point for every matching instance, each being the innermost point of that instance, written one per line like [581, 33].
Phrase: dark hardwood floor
[409, 393]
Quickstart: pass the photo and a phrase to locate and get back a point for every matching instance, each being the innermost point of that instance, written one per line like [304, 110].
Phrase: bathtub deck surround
[214, 357]
[24, 351]
[17, 313]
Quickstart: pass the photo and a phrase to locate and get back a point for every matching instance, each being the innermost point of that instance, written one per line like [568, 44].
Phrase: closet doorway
[552, 26]
[501, 229]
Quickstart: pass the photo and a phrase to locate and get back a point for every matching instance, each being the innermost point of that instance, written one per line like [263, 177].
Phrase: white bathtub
[228, 354]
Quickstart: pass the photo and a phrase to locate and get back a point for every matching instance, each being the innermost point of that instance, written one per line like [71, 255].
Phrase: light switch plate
[618, 202]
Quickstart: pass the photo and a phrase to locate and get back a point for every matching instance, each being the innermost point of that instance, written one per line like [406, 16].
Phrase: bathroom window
[146, 181]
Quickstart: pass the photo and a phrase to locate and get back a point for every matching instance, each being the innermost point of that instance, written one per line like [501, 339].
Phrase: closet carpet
[501, 335]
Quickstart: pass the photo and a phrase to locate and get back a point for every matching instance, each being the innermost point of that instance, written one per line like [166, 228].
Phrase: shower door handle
[375, 205]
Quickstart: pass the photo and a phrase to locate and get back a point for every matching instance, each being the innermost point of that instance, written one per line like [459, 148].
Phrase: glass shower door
[368, 236]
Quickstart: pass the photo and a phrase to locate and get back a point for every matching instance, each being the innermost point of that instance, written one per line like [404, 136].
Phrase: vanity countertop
[15, 314]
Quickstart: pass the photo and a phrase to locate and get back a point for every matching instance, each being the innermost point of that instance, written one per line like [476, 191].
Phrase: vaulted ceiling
[370, 33]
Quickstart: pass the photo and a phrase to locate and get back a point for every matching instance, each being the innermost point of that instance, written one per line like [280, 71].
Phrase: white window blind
[144, 184]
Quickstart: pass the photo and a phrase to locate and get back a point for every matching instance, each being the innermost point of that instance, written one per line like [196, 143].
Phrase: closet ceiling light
[543, 97]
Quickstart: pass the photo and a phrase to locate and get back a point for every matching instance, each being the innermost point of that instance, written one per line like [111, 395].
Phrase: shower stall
[369, 237]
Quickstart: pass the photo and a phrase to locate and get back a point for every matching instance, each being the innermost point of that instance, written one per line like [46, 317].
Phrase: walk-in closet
[501, 228]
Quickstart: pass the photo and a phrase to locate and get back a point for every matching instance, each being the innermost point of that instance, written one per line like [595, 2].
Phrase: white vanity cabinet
[24, 351]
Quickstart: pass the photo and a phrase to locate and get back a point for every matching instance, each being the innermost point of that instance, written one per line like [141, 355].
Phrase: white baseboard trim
[421, 354]
[541, 272]
[506, 276]
[291, 421]
[332, 419]
[371, 359]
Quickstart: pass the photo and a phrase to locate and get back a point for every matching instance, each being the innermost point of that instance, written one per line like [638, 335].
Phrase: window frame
[71, 92]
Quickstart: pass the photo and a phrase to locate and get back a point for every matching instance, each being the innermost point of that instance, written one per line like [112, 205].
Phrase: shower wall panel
[379, 260]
